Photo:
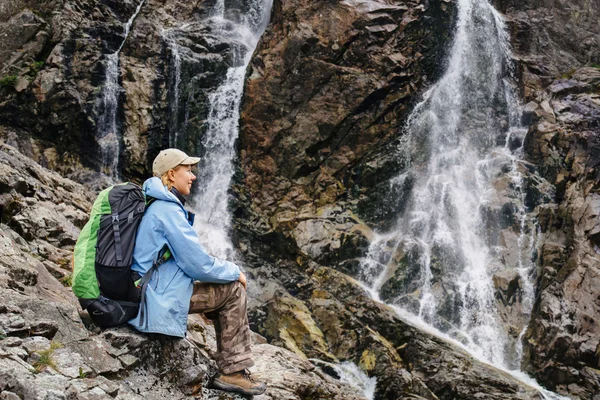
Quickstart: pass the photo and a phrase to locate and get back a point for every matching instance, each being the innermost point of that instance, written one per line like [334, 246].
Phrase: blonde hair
[165, 180]
[165, 177]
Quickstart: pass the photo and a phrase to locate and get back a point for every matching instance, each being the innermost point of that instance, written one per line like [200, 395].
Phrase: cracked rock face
[562, 106]
[323, 109]
[557, 36]
[54, 55]
[563, 340]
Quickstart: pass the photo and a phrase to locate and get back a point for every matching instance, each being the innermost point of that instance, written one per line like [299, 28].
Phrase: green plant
[46, 360]
[568, 74]
[64, 262]
[81, 374]
[8, 80]
[595, 65]
[34, 68]
[67, 280]
[37, 66]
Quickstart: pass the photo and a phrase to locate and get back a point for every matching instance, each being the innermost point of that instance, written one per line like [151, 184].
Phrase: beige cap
[171, 158]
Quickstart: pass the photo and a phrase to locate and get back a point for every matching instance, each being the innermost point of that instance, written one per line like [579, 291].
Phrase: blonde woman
[190, 280]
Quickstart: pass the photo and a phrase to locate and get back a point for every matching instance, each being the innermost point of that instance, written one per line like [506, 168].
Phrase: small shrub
[8, 80]
[37, 66]
[595, 65]
[45, 360]
[67, 280]
[34, 68]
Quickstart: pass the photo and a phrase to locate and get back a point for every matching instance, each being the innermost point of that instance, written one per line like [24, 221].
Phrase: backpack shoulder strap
[149, 201]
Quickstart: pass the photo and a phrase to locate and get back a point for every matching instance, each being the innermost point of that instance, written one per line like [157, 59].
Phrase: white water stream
[177, 53]
[351, 374]
[213, 220]
[442, 252]
[108, 134]
[173, 128]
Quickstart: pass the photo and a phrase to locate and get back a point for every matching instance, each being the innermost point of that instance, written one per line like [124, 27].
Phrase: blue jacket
[170, 288]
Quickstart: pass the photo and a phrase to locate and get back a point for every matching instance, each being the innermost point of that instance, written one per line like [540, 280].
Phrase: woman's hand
[242, 279]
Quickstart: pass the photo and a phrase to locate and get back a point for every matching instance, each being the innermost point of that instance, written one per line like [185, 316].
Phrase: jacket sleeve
[191, 256]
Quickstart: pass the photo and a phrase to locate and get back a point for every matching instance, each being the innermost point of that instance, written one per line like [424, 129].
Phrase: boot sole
[233, 388]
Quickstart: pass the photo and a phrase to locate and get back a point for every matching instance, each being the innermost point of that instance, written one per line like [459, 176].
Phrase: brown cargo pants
[225, 305]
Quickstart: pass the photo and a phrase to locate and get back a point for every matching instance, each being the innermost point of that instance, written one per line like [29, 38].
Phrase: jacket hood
[153, 187]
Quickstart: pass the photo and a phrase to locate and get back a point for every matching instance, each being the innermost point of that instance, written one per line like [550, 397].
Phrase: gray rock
[70, 363]
[95, 353]
[129, 361]
[11, 342]
[290, 377]
[6, 395]
[36, 344]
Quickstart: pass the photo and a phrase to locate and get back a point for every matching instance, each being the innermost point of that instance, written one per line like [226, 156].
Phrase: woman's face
[182, 178]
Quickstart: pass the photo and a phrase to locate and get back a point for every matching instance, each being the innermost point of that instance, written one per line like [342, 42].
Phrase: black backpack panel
[116, 240]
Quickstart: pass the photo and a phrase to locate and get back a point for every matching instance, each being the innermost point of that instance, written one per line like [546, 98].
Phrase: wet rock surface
[53, 66]
[372, 335]
[561, 343]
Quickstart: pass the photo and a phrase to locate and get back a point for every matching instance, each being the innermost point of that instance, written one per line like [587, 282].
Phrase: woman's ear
[171, 175]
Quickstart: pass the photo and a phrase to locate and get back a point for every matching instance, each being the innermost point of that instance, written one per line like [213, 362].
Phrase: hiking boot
[240, 382]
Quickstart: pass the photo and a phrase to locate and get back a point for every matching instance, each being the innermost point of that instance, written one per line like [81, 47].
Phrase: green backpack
[102, 277]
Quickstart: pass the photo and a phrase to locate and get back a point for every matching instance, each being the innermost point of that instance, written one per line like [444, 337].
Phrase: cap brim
[190, 161]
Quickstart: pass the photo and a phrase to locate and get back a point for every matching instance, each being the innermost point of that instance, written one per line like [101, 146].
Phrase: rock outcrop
[53, 68]
[561, 90]
[51, 349]
[326, 98]
[562, 344]
[554, 36]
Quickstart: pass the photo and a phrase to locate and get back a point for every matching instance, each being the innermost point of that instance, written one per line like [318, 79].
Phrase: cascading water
[174, 131]
[215, 171]
[441, 235]
[176, 53]
[463, 141]
[108, 132]
[351, 374]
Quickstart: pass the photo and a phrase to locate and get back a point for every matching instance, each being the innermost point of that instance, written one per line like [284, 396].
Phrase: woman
[190, 280]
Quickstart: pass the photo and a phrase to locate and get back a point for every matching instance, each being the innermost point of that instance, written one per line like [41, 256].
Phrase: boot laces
[247, 375]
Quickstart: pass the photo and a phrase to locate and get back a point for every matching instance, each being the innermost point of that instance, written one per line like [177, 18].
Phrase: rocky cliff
[562, 342]
[49, 348]
[323, 115]
[557, 45]
[322, 127]
[54, 64]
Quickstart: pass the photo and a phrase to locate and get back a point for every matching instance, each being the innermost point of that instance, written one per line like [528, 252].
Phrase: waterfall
[108, 131]
[169, 36]
[463, 142]
[215, 171]
[440, 239]
[174, 131]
